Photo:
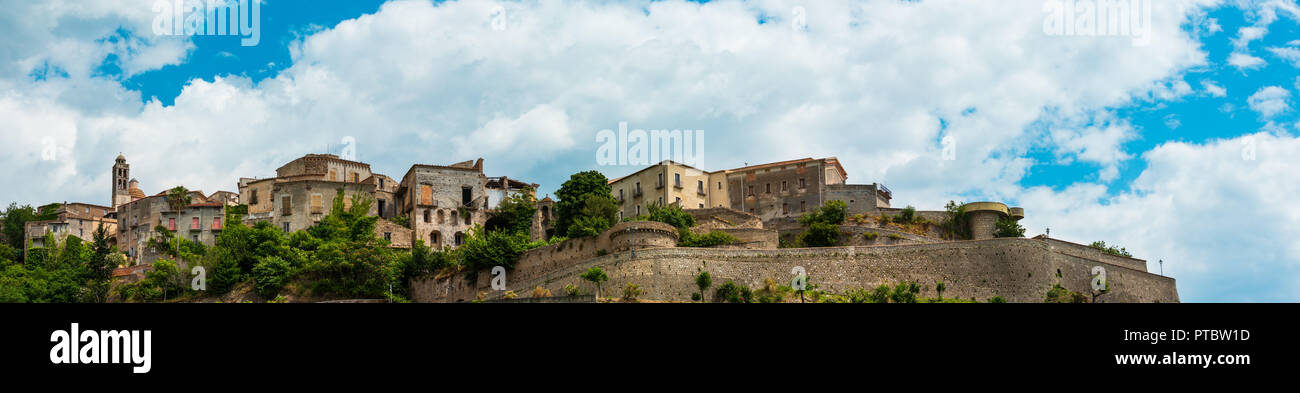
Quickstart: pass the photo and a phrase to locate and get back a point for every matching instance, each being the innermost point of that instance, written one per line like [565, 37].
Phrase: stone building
[303, 191]
[443, 202]
[73, 219]
[770, 191]
[121, 184]
[226, 197]
[138, 220]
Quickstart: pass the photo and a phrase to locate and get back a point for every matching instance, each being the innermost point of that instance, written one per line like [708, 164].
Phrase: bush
[703, 281]
[572, 290]
[1059, 294]
[957, 225]
[497, 248]
[631, 292]
[1101, 245]
[541, 292]
[997, 299]
[905, 292]
[734, 293]
[695, 296]
[270, 275]
[831, 212]
[820, 235]
[907, 216]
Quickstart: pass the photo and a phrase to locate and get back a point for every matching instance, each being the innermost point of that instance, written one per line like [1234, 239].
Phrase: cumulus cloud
[1214, 89]
[1270, 101]
[1202, 208]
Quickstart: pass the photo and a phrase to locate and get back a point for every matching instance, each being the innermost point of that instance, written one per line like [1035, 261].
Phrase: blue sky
[1099, 139]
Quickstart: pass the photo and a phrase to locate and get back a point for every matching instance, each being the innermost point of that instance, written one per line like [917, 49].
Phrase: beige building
[668, 183]
[201, 222]
[74, 219]
[769, 191]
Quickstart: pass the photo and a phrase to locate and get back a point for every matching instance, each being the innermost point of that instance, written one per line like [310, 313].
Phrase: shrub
[905, 292]
[1059, 294]
[541, 292]
[957, 225]
[997, 299]
[939, 287]
[631, 292]
[509, 295]
[907, 216]
[270, 275]
[572, 290]
[820, 235]
[734, 293]
[1101, 245]
[695, 296]
[871, 235]
[831, 212]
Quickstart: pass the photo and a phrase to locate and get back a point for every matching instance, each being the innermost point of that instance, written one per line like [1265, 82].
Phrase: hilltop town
[783, 231]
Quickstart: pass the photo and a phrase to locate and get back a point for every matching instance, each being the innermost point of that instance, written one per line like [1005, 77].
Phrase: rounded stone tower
[984, 217]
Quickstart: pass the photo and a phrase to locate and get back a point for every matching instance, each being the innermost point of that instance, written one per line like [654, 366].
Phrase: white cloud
[1290, 54]
[1096, 140]
[1214, 89]
[1270, 101]
[1203, 209]
[1245, 61]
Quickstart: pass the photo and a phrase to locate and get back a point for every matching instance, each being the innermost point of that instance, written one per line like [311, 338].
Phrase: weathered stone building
[73, 219]
[770, 191]
[201, 222]
[303, 191]
[443, 202]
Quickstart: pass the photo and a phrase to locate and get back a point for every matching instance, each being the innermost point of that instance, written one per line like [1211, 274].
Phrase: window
[701, 205]
[194, 223]
[171, 224]
[638, 210]
[440, 217]
[700, 186]
[460, 238]
[216, 223]
[679, 201]
[719, 185]
[783, 186]
[381, 207]
[427, 218]
[803, 206]
[751, 190]
[802, 184]
[466, 195]
[333, 175]
[638, 188]
[769, 188]
[286, 227]
[253, 200]
[785, 208]
[661, 201]
[356, 177]
[467, 217]
[381, 183]
[388, 236]
[426, 195]
[317, 204]
[677, 180]
[620, 195]
[286, 207]
[660, 182]
[435, 238]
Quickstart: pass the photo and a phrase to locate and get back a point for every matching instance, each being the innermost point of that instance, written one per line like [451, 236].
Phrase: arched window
[435, 239]
[440, 216]
[460, 238]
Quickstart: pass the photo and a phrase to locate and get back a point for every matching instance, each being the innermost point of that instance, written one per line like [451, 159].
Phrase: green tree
[573, 198]
[939, 287]
[957, 224]
[703, 281]
[516, 212]
[15, 225]
[270, 275]
[596, 276]
[1008, 227]
[831, 212]
[1112, 250]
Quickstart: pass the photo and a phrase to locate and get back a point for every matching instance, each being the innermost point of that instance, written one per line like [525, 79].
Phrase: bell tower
[121, 176]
